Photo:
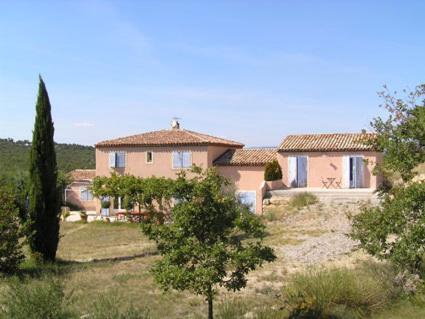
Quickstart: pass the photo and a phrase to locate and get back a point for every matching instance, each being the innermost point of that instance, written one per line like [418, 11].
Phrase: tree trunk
[210, 307]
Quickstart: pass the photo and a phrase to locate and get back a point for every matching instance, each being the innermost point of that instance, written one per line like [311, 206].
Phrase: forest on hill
[15, 155]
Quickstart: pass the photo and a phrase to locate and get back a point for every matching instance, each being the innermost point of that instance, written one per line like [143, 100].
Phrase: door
[248, 199]
[301, 171]
[356, 172]
[297, 173]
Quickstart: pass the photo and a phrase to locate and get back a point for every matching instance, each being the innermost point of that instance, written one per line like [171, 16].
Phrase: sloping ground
[302, 238]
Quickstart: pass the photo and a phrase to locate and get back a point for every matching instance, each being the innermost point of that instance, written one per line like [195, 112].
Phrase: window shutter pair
[116, 159]
[182, 159]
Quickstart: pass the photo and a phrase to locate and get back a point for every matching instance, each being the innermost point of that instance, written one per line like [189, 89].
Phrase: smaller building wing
[328, 142]
[83, 174]
[247, 157]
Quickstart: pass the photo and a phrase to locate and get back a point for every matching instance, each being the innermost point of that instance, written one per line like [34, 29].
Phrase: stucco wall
[136, 160]
[330, 164]
[73, 196]
[247, 178]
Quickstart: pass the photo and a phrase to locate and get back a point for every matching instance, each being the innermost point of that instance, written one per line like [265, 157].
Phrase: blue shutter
[187, 159]
[112, 159]
[176, 159]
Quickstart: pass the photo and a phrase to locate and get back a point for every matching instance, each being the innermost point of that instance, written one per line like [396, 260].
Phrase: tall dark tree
[44, 195]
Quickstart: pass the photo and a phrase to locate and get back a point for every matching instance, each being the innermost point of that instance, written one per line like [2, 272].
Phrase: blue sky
[253, 71]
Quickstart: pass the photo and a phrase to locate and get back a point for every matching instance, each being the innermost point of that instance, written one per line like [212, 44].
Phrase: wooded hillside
[14, 156]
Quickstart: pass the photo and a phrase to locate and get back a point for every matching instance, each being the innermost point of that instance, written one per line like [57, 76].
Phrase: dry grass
[129, 279]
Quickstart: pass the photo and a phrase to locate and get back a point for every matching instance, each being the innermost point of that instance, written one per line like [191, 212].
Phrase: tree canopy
[395, 230]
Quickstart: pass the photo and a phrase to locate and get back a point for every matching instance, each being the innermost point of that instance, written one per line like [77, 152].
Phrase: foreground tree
[10, 248]
[44, 195]
[395, 230]
[212, 241]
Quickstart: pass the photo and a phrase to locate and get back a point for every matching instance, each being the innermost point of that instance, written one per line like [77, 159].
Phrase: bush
[341, 293]
[35, 300]
[232, 309]
[303, 200]
[10, 249]
[272, 171]
[106, 308]
[105, 204]
[395, 230]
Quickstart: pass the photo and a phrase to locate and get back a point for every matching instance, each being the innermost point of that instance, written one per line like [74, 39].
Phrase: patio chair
[325, 182]
[338, 182]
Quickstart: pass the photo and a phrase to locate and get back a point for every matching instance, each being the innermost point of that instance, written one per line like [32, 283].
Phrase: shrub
[35, 300]
[272, 171]
[395, 230]
[303, 200]
[232, 309]
[341, 293]
[10, 249]
[106, 308]
[105, 204]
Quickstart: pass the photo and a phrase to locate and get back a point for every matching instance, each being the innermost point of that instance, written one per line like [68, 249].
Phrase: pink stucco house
[315, 161]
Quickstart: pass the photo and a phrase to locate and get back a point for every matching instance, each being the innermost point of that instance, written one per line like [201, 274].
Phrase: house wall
[330, 164]
[247, 178]
[73, 196]
[136, 160]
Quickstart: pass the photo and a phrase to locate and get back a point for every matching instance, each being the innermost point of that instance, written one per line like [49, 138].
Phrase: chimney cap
[175, 125]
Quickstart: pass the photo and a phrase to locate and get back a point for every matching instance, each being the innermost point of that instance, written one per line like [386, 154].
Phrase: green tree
[44, 195]
[395, 230]
[401, 135]
[212, 241]
[10, 248]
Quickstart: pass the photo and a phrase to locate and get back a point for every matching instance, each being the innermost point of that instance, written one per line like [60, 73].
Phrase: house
[308, 162]
[166, 152]
[329, 161]
[78, 194]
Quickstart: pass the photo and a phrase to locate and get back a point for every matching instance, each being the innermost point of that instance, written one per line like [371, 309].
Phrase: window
[117, 203]
[117, 159]
[85, 194]
[149, 157]
[182, 159]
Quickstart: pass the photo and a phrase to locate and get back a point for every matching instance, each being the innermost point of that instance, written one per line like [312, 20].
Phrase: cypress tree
[44, 195]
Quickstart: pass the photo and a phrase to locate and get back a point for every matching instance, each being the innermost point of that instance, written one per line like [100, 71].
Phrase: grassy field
[100, 260]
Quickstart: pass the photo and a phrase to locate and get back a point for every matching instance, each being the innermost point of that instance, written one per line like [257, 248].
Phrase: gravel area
[323, 229]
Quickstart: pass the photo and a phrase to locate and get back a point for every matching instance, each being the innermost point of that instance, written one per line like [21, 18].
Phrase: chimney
[175, 125]
[363, 131]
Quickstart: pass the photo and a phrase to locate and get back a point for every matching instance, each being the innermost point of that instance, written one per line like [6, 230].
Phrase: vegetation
[302, 200]
[15, 157]
[203, 246]
[341, 292]
[272, 171]
[44, 195]
[396, 230]
[10, 248]
[401, 136]
[34, 300]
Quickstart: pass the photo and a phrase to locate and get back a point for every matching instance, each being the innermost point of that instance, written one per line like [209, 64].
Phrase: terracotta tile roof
[328, 142]
[247, 157]
[82, 174]
[169, 137]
